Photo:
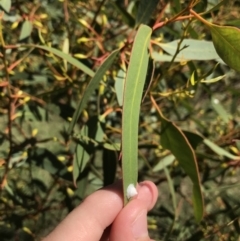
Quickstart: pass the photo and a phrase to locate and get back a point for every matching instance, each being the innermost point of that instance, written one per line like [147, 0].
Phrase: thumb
[131, 222]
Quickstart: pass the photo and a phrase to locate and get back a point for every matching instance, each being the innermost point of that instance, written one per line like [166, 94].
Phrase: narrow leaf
[171, 189]
[145, 10]
[26, 30]
[80, 160]
[173, 139]
[93, 84]
[219, 150]
[133, 90]
[119, 85]
[213, 80]
[64, 56]
[164, 162]
[225, 116]
[65, 50]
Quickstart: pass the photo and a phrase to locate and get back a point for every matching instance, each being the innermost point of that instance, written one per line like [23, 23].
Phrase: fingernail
[139, 226]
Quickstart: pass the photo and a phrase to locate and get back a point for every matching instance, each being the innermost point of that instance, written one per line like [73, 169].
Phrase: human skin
[102, 216]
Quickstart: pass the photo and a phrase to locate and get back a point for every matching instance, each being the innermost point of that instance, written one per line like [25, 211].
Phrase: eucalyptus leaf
[164, 162]
[26, 30]
[6, 5]
[93, 84]
[173, 139]
[64, 56]
[65, 50]
[133, 90]
[219, 150]
[226, 42]
[145, 10]
[213, 80]
[127, 18]
[80, 160]
[217, 106]
[171, 188]
[195, 50]
[112, 147]
[119, 85]
[193, 138]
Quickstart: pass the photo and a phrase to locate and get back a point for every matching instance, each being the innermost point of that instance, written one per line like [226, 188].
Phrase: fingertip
[131, 222]
[148, 193]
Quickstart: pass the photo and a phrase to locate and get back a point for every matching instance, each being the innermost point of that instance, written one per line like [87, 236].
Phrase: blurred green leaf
[201, 6]
[145, 10]
[195, 50]
[64, 56]
[127, 18]
[93, 84]
[173, 139]
[100, 133]
[219, 150]
[213, 80]
[6, 5]
[217, 6]
[193, 138]
[47, 160]
[171, 188]
[226, 42]
[26, 30]
[226, 117]
[133, 90]
[164, 162]
[112, 147]
[65, 50]
[238, 144]
[80, 160]
[119, 85]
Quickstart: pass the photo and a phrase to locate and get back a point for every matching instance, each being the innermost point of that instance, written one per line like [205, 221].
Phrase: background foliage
[45, 172]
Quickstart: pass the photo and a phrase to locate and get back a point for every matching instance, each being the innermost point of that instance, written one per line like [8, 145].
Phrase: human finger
[92, 217]
[131, 222]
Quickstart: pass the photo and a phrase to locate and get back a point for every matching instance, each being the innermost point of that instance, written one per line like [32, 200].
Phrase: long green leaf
[133, 90]
[93, 84]
[64, 56]
[171, 188]
[173, 139]
[219, 150]
[221, 111]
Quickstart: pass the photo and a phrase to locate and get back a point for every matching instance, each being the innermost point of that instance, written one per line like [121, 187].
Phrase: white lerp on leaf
[131, 191]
